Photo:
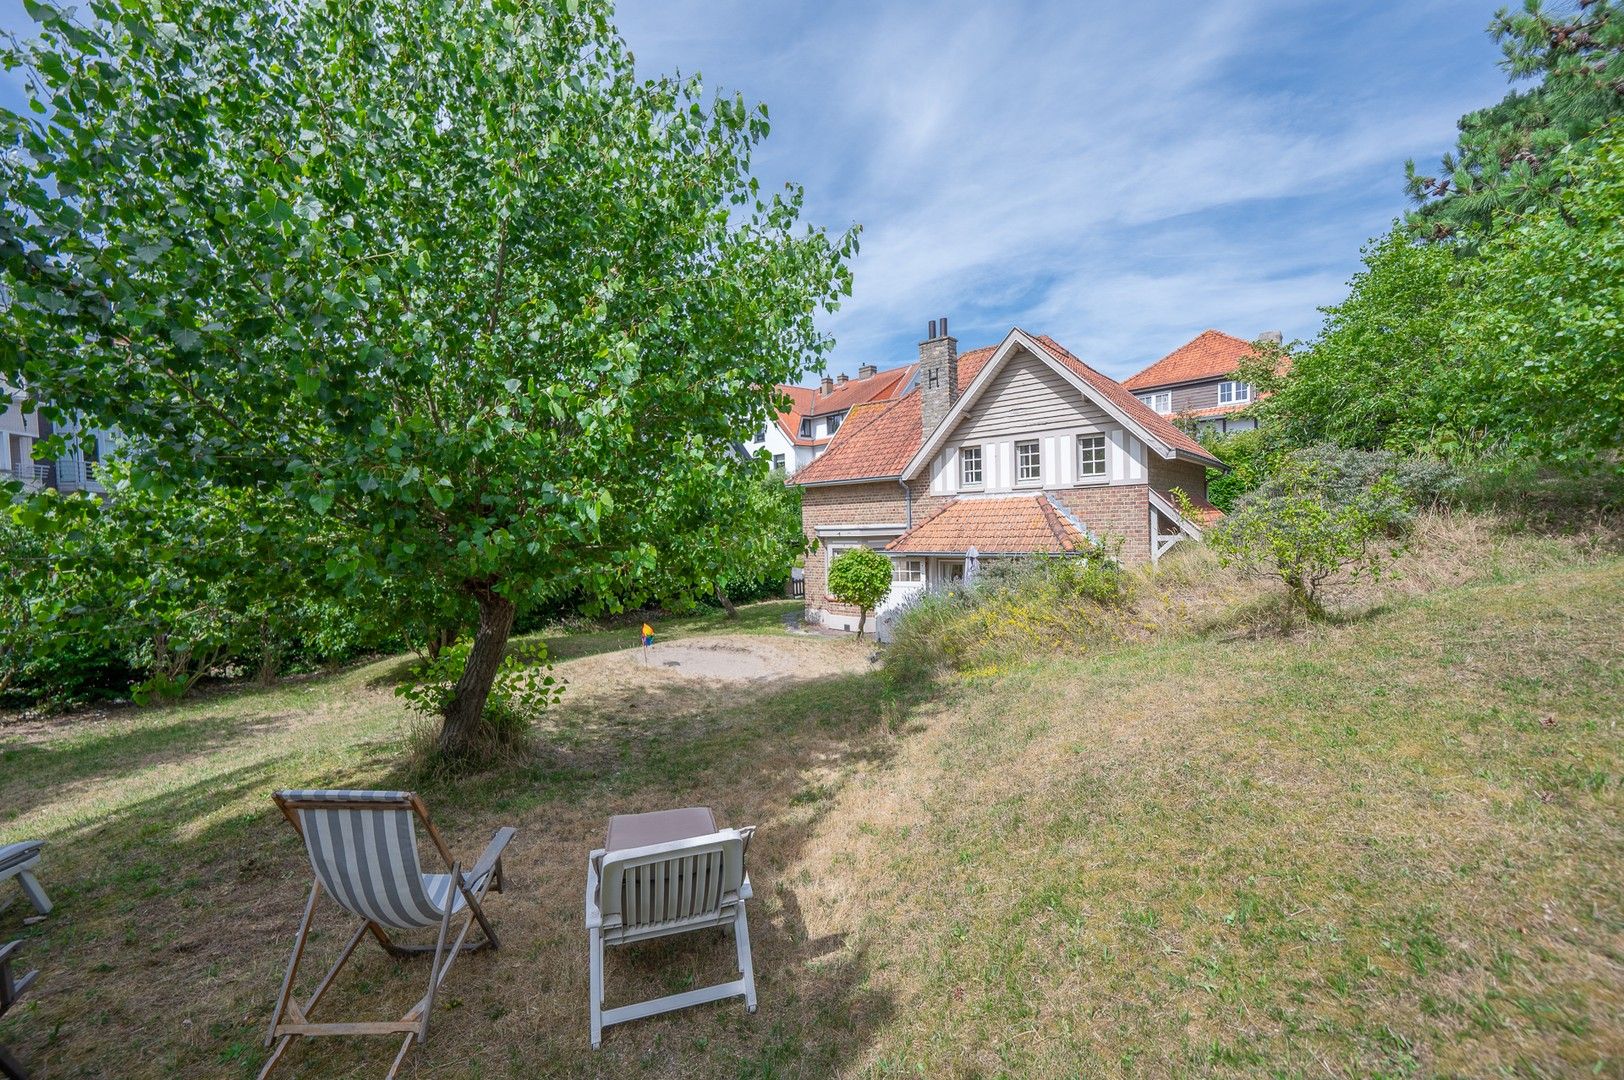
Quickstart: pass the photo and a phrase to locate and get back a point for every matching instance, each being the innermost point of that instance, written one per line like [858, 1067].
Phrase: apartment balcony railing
[73, 475]
[33, 477]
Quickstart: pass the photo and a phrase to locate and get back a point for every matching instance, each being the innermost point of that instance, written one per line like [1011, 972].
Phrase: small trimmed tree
[860, 577]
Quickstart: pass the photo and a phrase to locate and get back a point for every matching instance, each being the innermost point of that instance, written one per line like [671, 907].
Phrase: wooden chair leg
[405, 1046]
[293, 965]
[439, 956]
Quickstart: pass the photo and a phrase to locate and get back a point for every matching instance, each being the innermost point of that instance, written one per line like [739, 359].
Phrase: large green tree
[1502, 162]
[449, 274]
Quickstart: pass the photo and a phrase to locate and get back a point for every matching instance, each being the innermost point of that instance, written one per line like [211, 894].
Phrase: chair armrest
[7, 949]
[493, 851]
[594, 865]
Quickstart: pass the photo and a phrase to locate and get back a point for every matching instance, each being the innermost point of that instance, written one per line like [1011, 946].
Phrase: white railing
[33, 476]
[73, 474]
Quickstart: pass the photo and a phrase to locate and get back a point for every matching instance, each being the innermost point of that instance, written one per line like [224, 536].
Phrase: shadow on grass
[182, 902]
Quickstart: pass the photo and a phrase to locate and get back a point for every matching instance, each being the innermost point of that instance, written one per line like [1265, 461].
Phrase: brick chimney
[867, 371]
[1273, 337]
[841, 378]
[938, 375]
[828, 385]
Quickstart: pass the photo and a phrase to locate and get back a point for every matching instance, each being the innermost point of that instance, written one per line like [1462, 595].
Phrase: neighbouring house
[1197, 382]
[796, 437]
[1016, 449]
[22, 426]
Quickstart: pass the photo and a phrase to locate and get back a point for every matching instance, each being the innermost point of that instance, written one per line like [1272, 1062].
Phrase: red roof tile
[882, 448]
[1025, 525]
[812, 401]
[1212, 354]
[889, 437]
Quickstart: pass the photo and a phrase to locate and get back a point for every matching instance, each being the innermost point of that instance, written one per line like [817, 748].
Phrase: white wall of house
[1029, 408]
[794, 456]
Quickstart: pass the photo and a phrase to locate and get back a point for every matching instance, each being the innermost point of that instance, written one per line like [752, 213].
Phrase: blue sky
[1121, 176]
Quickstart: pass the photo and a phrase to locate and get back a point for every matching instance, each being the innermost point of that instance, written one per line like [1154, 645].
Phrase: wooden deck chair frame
[672, 888]
[292, 1019]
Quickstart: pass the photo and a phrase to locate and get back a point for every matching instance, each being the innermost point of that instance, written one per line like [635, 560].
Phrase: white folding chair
[669, 872]
[363, 852]
[18, 861]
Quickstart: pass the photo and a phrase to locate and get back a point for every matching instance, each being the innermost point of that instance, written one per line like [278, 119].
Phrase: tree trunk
[727, 605]
[862, 618]
[465, 713]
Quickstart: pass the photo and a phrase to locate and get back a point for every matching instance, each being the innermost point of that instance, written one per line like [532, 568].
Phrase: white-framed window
[1028, 462]
[1161, 401]
[778, 462]
[761, 436]
[969, 466]
[1090, 456]
[1233, 393]
[834, 422]
[806, 428]
[908, 570]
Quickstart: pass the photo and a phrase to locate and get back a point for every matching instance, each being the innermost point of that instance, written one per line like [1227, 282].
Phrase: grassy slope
[1389, 846]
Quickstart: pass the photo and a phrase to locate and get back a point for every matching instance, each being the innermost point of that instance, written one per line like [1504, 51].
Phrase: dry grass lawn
[1391, 846]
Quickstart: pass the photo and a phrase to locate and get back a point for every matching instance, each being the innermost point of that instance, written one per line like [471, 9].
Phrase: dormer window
[834, 422]
[1160, 402]
[806, 428]
[1234, 393]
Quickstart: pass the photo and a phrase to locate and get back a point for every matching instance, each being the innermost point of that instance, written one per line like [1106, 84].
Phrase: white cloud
[1113, 175]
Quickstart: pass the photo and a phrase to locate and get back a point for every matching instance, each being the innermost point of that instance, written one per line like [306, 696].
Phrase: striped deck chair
[669, 872]
[363, 849]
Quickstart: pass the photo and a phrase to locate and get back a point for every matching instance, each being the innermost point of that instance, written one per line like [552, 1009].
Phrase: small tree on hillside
[1310, 528]
[860, 577]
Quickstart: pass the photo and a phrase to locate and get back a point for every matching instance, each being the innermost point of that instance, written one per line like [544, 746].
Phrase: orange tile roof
[1216, 410]
[1024, 525]
[890, 435]
[1211, 354]
[880, 449]
[811, 401]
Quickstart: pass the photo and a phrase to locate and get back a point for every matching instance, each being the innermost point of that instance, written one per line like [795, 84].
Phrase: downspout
[907, 501]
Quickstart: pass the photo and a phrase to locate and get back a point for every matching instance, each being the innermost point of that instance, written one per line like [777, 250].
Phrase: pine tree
[1503, 160]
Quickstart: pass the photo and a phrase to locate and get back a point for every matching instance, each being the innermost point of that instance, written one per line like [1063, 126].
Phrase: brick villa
[1016, 449]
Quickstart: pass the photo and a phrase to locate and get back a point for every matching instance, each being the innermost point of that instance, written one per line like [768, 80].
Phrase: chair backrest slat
[646, 888]
[363, 849]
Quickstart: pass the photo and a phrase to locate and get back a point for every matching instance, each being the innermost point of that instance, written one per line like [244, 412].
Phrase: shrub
[524, 689]
[1326, 515]
[860, 577]
[1014, 608]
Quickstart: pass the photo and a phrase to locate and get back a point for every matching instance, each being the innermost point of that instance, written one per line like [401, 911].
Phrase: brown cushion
[640, 830]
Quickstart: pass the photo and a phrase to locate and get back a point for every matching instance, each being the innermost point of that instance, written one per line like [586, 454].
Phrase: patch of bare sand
[732, 658]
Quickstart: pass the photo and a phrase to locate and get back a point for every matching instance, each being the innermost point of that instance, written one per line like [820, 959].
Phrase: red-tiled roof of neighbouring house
[1215, 410]
[812, 401]
[1212, 354]
[887, 436]
[1206, 513]
[1023, 525]
[881, 448]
